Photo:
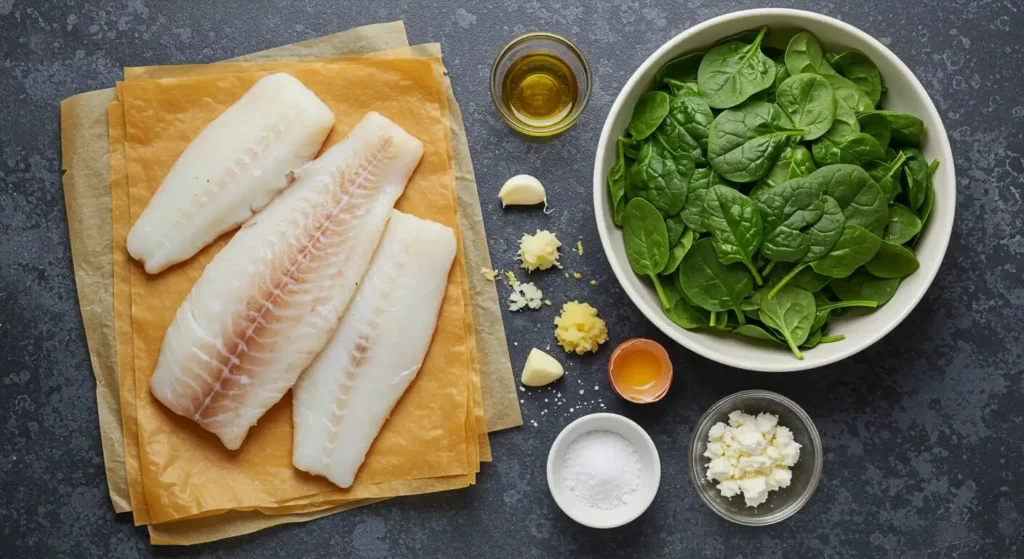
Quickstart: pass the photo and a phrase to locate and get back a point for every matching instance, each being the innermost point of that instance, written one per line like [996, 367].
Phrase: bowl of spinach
[774, 189]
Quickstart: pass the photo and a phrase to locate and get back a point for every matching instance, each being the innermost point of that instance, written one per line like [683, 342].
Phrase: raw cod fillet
[270, 300]
[233, 168]
[343, 399]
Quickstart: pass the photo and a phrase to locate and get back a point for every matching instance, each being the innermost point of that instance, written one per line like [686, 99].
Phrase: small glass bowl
[541, 42]
[781, 504]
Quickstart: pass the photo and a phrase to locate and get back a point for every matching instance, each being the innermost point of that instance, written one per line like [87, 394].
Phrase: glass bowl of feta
[755, 458]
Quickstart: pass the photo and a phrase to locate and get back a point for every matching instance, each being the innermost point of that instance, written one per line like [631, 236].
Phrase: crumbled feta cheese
[751, 455]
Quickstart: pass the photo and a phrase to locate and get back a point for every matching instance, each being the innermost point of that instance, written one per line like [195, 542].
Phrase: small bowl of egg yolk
[640, 370]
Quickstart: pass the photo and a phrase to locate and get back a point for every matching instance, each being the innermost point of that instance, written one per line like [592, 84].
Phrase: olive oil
[540, 89]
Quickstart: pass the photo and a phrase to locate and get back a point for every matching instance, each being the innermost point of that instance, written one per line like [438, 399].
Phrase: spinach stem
[841, 304]
[753, 270]
[714, 315]
[768, 269]
[831, 339]
[740, 317]
[792, 273]
[661, 292]
[792, 346]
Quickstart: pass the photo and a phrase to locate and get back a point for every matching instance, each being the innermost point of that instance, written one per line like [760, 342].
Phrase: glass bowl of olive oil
[540, 84]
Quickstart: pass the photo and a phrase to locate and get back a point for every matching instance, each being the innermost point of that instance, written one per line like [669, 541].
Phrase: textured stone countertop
[922, 433]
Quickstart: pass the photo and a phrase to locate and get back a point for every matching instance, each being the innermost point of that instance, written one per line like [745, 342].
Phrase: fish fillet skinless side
[231, 170]
[343, 399]
[271, 298]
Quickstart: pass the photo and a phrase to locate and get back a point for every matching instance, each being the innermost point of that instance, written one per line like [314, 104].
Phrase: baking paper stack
[172, 475]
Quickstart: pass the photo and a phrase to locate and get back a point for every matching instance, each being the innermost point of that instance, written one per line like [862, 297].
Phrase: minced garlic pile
[579, 329]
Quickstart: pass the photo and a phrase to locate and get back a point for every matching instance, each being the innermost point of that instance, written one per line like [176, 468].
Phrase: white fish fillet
[343, 399]
[270, 300]
[233, 168]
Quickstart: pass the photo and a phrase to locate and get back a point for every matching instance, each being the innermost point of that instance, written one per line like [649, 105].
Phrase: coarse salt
[602, 469]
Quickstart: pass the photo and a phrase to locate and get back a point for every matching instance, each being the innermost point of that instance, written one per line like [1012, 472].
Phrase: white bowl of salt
[603, 470]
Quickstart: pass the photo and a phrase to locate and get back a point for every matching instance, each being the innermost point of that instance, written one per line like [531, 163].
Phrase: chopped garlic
[524, 295]
[593, 282]
[567, 275]
[511, 278]
[539, 251]
[541, 369]
[577, 275]
[489, 274]
[579, 329]
[579, 248]
[522, 190]
[547, 301]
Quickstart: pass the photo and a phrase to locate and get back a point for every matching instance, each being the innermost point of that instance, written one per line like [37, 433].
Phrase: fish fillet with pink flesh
[231, 170]
[272, 297]
[343, 399]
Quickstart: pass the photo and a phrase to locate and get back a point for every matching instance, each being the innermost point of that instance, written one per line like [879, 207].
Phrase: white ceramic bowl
[650, 471]
[905, 94]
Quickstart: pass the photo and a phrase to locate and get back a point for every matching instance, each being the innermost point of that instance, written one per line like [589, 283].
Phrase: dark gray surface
[922, 432]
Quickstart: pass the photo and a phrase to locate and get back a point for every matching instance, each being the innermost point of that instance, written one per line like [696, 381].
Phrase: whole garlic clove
[522, 190]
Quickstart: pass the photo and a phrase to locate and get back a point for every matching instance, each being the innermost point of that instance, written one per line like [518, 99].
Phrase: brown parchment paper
[87, 196]
[183, 467]
[411, 487]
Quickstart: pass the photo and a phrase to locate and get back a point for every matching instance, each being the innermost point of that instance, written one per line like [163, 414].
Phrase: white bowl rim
[562, 440]
[655, 315]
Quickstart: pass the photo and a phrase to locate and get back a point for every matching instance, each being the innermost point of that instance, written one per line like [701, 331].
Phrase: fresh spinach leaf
[856, 247]
[859, 69]
[678, 251]
[756, 332]
[876, 126]
[648, 113]
[793, 162]
[907, 130]
[645, 236]
[863, 286]
[711, 284]
[892, 261]
[852, 148]
[681, 69]
[677, 88]
[812, 340]
[675, 226]
[915, 178]
[861, 200]
[670, 290]
[787, 212]
[617, 184]
[660, 177]
[929, 198]
[733, 71]
[735, 226]
[903, 225]
[849, 94]
[687, 316]
[791, 312]
[887, 175]
[685, 129]
[744, 142]
[805, 278]
[804, 55]
[808, 102]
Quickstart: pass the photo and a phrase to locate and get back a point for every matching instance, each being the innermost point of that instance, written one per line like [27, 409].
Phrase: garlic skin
[522, 190]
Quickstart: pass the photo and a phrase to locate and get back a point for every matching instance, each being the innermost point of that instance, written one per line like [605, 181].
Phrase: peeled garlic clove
[522, 190]
[541, 369]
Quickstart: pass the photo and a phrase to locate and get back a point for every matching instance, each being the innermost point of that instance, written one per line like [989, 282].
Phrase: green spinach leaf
[861, 200]
[617, 185]
[682, 89]
[646, 237]
[787, 212]
[687, 316]
[733, 71]
[678, 251]
[735, 226]
[887, 175]
[863, 286]
[675, 226]
[907, 130]
[876, 126]
[660, 177]
[791, 312]
[648, 113]
[855, 248]
[703, 179]
[711, 284]
[903, 225]
[892, 261]
[793, 162]
[743, 143]
[849, 94]
[804, 55]
[681, 69]
[915, 178]
[859, 69]
[756, 332]
[808, 102]
[804, 278]
[852, 148]
[685, 129]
